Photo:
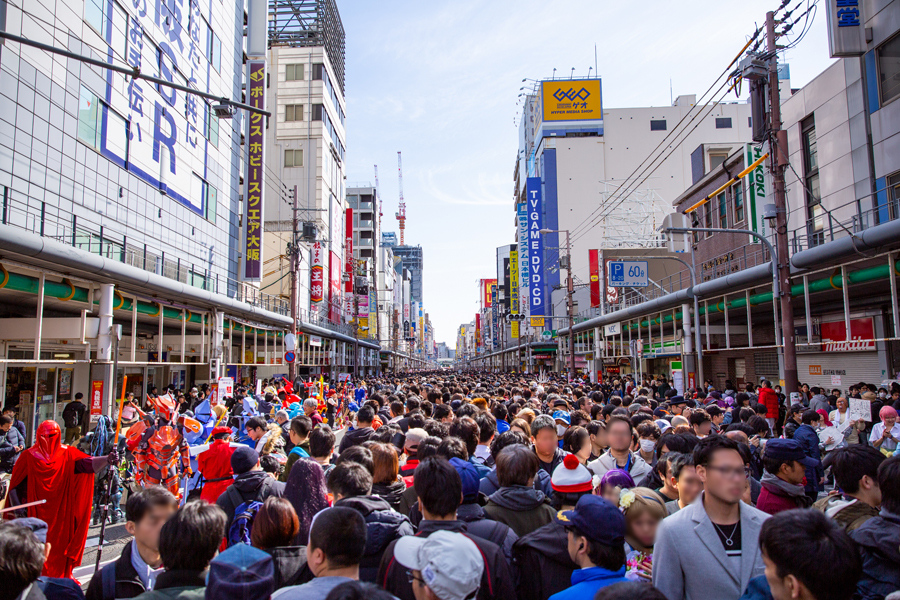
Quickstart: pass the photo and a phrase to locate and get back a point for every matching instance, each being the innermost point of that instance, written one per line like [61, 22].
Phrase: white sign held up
[860, 409]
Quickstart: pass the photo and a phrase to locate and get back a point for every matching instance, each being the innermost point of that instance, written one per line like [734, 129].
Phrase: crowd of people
[464, 485]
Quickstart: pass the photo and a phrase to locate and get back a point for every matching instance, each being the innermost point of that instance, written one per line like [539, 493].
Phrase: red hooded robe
[215, 463]
[48, 468]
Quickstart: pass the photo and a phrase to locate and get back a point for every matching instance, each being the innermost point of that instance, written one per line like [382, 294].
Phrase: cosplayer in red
[215, 465]
[64, 477]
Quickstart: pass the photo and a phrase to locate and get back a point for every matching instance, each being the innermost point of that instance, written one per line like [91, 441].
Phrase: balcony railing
[830, 226]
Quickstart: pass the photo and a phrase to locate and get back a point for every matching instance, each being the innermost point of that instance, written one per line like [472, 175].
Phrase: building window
[737, 192]
[707, 217]
[723, 122]
[293, 158]
[210, 125]
[213, 49]
[723, 211]
[112, 27]
[88, 118]
[294, 72]
[888, 60]
[815, 223]
[293, 112]
[658, 125]
[716, 159]
[891, 210]
[208, 196]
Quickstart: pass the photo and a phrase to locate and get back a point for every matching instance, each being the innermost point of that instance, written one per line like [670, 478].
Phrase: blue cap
[37, 527]
[242, 572]
[597, 519]
[785, 450]
[562, 415]
[469, 476]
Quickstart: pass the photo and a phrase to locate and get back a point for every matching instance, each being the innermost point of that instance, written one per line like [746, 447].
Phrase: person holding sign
[886, 434]
[845, 423]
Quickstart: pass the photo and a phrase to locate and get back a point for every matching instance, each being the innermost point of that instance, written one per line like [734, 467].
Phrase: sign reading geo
[571, 100]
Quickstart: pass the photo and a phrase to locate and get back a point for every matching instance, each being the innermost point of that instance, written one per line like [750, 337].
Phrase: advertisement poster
[96, 400]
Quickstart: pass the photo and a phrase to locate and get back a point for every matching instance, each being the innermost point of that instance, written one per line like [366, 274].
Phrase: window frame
[722, 121]
[654, 125]
[292, 69]
[737, 202]
[878, 71]
[292, 110]
[722, 203]
[293, 155]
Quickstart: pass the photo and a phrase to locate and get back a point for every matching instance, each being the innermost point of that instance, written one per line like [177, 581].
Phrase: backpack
[242, 525]
[70, 415]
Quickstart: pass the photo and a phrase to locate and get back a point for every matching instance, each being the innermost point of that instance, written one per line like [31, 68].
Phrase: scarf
[795, 491]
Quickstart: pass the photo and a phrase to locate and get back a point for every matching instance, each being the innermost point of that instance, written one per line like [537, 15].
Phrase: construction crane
[401, 214]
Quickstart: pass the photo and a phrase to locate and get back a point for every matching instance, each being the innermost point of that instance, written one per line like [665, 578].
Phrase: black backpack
[71, 414]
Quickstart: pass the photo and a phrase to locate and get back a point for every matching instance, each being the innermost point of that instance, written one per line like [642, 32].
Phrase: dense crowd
[454, 486]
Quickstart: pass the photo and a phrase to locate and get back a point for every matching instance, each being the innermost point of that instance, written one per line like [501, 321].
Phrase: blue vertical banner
[534, 200]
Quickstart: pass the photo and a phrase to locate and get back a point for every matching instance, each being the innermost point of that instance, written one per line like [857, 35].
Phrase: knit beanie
[571, 476]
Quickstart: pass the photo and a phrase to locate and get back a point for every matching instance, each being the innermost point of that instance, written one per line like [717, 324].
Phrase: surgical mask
[882, 395]
[560, 430]
[648, 446]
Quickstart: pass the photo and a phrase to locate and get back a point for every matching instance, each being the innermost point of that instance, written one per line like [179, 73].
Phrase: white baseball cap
[450, 563]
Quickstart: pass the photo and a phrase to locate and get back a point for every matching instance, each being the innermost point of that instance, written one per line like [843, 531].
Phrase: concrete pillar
[105, 344]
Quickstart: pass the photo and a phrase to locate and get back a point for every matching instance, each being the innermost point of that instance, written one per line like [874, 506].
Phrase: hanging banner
[317, 274]
[522, 218]
[256, 89]
[514, 291]
[348, 250]
[594, 259]
[96, 400]
[756, 192]
[335, 304]
[487, 298]
[536, 304]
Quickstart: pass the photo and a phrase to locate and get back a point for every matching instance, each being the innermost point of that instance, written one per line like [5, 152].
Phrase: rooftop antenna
[589, 72]
[378, 195]
[401, 214]
[572, 74]
[554, 73]
[671, 95]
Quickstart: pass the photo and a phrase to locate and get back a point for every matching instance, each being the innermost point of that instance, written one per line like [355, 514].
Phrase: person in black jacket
[145, 514]
[251, 483]
[362, 432]
[351, 484]
[542, 556]
[439, 490]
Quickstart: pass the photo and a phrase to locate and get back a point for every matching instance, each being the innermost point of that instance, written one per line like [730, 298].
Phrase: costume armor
[156, 446]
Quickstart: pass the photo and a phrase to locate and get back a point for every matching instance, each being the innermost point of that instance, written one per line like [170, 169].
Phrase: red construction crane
[401, 214]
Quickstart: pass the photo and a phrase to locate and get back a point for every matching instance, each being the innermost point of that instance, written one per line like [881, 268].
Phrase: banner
[594, 259]
[522, 217]
[487, 298]
[536, 301]
[256, 125]
[96, 399]
[348, 250]
[506, 283]
[514, 291]
[334, 289]
[317, 274]
[756, 188]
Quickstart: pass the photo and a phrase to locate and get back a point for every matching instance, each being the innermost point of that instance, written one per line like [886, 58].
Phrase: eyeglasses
[410, 577]
[735, 472]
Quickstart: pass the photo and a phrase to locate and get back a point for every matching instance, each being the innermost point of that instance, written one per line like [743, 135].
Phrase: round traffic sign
[289, 356]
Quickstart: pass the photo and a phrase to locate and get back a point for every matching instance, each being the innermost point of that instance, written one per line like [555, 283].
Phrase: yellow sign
[537, 321]
[515, 330]
[571, 100]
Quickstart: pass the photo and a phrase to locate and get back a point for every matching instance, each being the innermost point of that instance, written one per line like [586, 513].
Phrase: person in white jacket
[619, 455]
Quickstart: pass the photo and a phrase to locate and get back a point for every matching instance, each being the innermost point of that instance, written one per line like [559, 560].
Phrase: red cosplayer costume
[215, 466]
[59, 475]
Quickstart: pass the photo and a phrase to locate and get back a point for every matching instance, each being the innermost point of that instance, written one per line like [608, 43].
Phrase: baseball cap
[414, 437]
[563, 416]
[779, 449]
[450, 563]
[469, 477]
[597, 518]
[241, 572]
[560, 402]
[37, 527]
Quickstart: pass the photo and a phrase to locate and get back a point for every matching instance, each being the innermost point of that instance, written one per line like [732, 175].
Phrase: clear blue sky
[439, 81]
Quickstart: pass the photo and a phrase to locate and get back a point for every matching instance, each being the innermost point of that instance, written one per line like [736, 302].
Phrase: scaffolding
[310, 23]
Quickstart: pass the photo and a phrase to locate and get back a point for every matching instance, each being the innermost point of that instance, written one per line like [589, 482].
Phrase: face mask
[648, 445]
[560, 430]
[881, 394]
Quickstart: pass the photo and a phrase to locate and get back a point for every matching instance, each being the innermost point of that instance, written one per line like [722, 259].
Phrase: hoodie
[820, 402]
[522, 508]
[290, 566]
[383, 526]
[355, 437]
[393, 495]
[252, 485]
[849, 513]
[879, 544]
[543, 562]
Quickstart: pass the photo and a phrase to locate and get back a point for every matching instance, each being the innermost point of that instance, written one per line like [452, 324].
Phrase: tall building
[576, 154]
[305, 150]
[411, 257]
[122, 206]
[389, 238]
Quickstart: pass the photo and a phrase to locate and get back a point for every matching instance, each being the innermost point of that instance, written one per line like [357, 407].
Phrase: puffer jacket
[809, 440]
[393, 495]
[383, 526]
[879, 544]
[769, 399]
[543, 562]
[522, 508]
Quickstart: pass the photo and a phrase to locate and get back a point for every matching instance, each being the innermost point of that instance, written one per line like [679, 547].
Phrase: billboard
[256, 89]
[594, 260]
[487, 300]
[348, 250]
[317, 274]
[522, 223]
[571, 100]
[757, 192]
[846, 28]
[536, 301]
[514, 291]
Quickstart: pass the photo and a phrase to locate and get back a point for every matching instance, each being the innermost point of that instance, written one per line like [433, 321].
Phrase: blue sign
[628, 273]
[289, 356]
[536, 301]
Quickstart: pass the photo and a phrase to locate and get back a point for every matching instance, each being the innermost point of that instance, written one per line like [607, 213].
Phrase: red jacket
[215, 464]
[773, 501]
[769, 399]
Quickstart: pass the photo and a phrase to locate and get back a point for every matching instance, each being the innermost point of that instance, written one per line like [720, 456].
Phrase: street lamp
[570, 289]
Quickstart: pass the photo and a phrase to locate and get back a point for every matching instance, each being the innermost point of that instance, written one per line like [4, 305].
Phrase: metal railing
[827, 227]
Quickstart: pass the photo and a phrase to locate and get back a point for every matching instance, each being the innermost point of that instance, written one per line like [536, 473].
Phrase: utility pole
[570, 290]
[294, 265]
[778, 157]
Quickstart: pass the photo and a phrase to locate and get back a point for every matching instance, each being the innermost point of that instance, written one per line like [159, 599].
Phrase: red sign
[486, 284]
[862, 336]
[334, 290]
[692, 380]
[348, 251]
[613, 370]
[478, 330]
[594, 259]
[317, 274]
[96, 399]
